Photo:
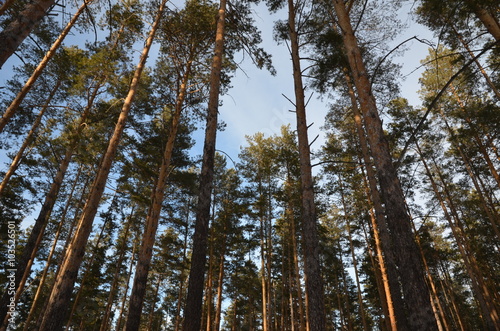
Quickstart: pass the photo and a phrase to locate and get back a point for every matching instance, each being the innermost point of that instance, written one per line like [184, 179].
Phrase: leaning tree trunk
[9, 112]
[158, 194]
[14, 34]
[193, 309]
[315, 309]
[411, 273]
[61, 294]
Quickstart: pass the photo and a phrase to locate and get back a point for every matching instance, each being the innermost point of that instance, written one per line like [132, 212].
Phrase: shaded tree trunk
[416, 293]
[193, 309]
[315, 308]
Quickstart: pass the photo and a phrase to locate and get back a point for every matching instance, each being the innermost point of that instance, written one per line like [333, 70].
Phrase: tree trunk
[416, 293]
[60, 296]
[315, 308]
[478, 287]
[158, 194]
[14, 34]
[41, 284]
[384, 247]
[193, 309]
[488, 19]
[114, 284]
[36, 7]
[6, 4]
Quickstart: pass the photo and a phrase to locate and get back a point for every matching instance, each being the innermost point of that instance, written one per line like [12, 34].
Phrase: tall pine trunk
[411, 273]
[315, 308]
[158, 194]
[193, 309]
[61, 294]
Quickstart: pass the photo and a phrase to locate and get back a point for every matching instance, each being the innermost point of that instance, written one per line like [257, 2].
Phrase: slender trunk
[41, 285]
[28, 140]
[416, 293]
[37, 6]
[209, 288]
[315, 307]
[125, 291]
[395, 305]
[220, 283]
[116, 275]
[193, 309]
[479, 289]
[155, 297]
[158, 194]
[180, 295]
[60, 296]
[85, 275]
[476, 61]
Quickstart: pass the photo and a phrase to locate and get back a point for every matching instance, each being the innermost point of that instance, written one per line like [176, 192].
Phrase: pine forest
[121, 207]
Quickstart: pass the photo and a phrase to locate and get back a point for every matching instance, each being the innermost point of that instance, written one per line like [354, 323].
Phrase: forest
[111, 219]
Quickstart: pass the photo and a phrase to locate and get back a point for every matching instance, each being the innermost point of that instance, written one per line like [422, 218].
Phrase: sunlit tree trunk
[36, 6]
[86, 275]
[395, 306]
[60, 296]
[480, 290]
[416, 293]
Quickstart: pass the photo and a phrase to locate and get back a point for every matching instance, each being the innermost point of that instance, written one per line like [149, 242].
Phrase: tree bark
[14, 34]
[61, 294]
[416, 293]
[193, 309]
[315, 308]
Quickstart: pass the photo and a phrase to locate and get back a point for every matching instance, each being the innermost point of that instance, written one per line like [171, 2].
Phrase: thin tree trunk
[51, 253]
[478, 64]
[119, 323]
[60, 296]
[263, 281]
[193, 309]
[315, 308]
[28, 140]
[479, 289]
[395, 305]
[85, 275]
[155, 297]
[158, 194]
[114, 285]
[416, 293]
[36, 7]
[220, 283]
